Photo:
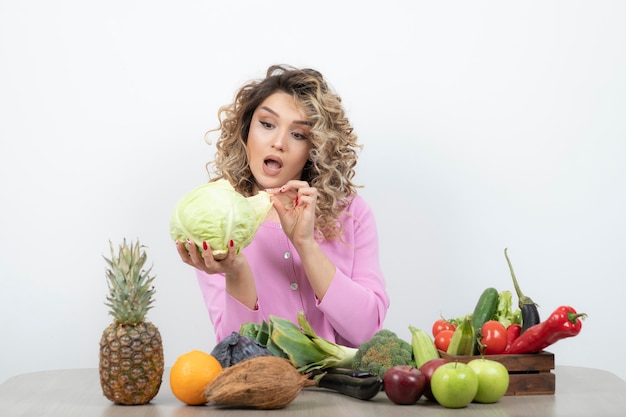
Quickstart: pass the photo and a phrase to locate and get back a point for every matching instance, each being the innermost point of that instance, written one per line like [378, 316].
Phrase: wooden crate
[529, 374]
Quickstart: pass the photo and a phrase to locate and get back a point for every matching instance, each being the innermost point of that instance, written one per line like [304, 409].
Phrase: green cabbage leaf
[216, 213]
[505, 313]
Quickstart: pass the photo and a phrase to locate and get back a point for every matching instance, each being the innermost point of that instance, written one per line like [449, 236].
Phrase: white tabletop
[583, 392]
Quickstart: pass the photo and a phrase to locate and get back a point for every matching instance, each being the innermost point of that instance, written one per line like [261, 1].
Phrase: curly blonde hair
[334, 152]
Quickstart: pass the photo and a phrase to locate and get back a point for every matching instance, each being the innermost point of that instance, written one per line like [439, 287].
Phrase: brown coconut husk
[264, 382]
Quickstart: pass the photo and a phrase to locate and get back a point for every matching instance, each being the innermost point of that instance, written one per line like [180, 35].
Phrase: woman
[317, 250]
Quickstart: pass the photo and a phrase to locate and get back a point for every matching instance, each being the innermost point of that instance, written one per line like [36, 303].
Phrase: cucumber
[484, 311]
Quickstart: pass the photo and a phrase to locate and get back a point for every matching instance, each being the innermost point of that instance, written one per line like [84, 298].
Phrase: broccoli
[383, 351]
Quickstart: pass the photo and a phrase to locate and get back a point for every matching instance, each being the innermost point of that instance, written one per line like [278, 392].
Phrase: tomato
[442, 340]
[442, 324]
[494, 337]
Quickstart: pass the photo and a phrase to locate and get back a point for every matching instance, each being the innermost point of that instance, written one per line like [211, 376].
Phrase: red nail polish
[296, 203]
[231, 243]
[205, 246]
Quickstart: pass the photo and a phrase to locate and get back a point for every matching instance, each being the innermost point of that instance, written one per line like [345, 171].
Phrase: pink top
[355, 305]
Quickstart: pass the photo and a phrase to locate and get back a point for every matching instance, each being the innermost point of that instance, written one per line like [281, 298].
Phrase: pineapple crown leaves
[130, 286]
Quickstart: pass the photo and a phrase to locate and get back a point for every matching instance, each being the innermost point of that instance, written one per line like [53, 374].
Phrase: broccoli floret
[383, 351]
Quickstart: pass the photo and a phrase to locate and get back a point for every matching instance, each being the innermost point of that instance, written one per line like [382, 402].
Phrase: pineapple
[131, 350]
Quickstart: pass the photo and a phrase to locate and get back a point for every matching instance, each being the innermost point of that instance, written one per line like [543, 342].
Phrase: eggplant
[530, 312]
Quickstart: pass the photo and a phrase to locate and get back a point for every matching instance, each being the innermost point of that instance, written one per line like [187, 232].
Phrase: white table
[583, 392]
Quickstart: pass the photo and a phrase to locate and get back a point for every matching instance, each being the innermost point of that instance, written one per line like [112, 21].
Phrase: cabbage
[236, 348]
[216, 213]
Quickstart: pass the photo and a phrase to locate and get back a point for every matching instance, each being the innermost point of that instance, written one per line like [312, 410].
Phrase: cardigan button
[294, 286]
[287, 255]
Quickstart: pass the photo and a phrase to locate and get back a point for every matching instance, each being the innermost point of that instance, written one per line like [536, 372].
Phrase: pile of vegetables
[329, 364]
[495, 327]
[357, 372]
[308, 352]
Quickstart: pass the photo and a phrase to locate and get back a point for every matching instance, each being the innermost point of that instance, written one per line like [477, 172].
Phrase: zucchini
[350, 382]
[424, 348]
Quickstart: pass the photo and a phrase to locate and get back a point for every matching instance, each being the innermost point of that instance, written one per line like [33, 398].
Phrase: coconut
[262, 382]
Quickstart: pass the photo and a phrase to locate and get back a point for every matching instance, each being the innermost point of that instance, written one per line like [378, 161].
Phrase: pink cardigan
[354, 306]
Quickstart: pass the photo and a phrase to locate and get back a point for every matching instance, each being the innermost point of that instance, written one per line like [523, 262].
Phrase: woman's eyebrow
[267, 109]
[299, 122]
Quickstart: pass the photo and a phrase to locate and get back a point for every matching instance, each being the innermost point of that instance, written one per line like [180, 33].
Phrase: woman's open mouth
[272, 166]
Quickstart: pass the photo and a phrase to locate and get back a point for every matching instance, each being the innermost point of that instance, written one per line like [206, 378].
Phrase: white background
[486, 125]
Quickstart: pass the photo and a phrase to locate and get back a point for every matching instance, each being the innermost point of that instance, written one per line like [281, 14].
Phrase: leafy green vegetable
[299, 343]
[504, 312]
[216, 213]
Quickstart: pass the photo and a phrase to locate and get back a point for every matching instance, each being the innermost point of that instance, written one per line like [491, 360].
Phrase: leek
[305, 350]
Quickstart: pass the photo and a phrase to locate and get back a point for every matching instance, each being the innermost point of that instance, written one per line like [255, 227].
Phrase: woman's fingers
[183, 252]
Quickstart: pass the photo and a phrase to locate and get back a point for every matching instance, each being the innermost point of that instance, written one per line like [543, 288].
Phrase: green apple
[493, 380]
[454, 384]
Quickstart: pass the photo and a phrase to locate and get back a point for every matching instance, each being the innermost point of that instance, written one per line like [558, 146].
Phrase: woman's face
[278, 144]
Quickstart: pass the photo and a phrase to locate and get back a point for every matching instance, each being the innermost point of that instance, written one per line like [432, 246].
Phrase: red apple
[427, 369]
[404, 384]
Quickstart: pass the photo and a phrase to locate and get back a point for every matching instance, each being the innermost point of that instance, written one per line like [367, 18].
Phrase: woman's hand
[239, 279]
[295, 204]
[205, 261]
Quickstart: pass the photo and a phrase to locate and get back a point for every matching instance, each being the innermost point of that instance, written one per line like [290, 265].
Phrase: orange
[191, 373]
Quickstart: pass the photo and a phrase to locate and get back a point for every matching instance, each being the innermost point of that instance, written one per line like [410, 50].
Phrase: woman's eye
[299, 136]
[266, 125]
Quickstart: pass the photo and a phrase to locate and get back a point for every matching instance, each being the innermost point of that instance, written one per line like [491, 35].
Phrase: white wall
[486, 125]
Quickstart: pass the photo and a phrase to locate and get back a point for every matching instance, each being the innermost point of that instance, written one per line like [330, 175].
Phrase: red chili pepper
[563, 322]
[512, 333]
